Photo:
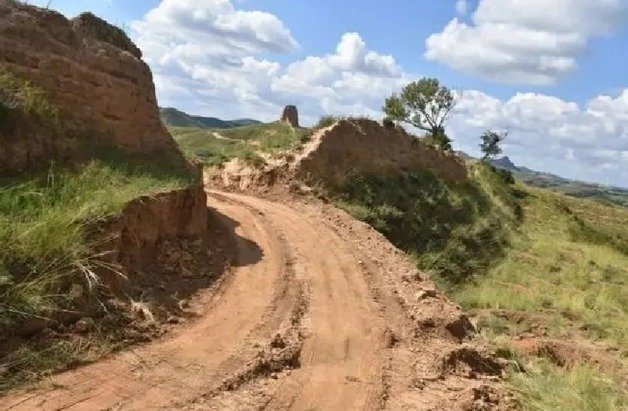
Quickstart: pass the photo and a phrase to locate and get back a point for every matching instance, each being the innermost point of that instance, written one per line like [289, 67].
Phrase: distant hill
[172, 117]
[609, 194]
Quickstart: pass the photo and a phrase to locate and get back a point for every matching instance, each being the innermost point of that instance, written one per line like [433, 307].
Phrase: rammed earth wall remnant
[89, 70]
[364, 146]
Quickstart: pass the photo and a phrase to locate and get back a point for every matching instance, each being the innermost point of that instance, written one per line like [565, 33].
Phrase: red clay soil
[319, 312]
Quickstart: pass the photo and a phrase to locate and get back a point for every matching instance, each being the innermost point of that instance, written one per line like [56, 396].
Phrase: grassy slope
[568, 266]
[498, 248]
[216, 146]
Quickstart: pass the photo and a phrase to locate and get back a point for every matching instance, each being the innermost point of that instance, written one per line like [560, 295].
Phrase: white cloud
[551, 134]
[350, 81]
[204, 53]
[205, 56]
[208, 59]
[525, 41]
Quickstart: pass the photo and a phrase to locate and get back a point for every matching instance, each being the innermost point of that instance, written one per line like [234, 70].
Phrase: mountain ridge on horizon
[575, 188]
[173, 117]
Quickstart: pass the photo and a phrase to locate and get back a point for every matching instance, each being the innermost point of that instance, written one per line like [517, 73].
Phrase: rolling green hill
[172, 117]
[573, 188]
[216, 146]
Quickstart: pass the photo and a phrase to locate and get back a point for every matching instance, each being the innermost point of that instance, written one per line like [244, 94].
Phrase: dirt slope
[320, 312]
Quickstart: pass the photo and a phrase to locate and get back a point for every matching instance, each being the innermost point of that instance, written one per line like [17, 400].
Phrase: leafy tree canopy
[425, 104]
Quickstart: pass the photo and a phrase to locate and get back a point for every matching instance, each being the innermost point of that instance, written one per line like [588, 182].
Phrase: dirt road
[319, 312]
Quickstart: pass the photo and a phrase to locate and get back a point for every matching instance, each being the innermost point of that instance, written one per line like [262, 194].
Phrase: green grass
[567, 261]
[43, 214]
[558, 265]
[43, 244]
[20, 101]
[216, 146]
[546, 387]
[455, 230]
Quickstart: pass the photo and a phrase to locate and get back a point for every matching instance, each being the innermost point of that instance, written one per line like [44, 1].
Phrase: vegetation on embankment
[530, 266]
[455, 230]
[214, 147]
[45, 250]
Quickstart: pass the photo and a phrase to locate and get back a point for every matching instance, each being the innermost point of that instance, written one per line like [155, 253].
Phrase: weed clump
[20, 102]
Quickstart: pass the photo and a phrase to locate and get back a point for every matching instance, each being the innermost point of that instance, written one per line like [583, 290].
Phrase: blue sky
[552, 73]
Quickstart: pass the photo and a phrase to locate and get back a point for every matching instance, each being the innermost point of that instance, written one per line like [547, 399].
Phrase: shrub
[326, 121]
[103, 31]
[388, 123]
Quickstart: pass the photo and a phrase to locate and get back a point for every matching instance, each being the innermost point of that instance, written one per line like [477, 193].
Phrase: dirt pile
[137, 236]
[338, 152]
[90, 71]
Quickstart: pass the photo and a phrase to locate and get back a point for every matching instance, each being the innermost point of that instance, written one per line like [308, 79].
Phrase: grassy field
[531, 266]
[42, 241]
[248, 143]
[565, 278]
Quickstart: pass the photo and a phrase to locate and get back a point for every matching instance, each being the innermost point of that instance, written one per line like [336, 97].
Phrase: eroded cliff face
[90, 71]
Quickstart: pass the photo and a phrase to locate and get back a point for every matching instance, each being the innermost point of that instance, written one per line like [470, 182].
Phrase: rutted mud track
[314, 315]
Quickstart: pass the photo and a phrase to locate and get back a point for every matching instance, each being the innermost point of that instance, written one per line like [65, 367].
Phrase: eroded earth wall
[90, 71]
[364, 146]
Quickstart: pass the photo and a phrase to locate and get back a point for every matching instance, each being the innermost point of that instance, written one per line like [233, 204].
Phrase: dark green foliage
[439, 140]
[506, 175]
[425, 104]
[388, 122]
[103, 31]
[490, 143]
[456, 230]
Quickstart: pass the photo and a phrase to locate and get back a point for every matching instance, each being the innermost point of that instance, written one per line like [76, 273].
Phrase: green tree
[425, 104]
[490, 143]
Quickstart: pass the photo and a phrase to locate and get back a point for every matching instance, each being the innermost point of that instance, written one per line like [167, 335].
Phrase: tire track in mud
[341, 362]
[240, 317]
[319, 312]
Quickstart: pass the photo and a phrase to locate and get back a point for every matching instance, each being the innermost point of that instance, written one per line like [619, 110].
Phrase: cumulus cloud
[205, 52]
[551, 134]
[210, 58]
[350, 81]
[525, 41]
